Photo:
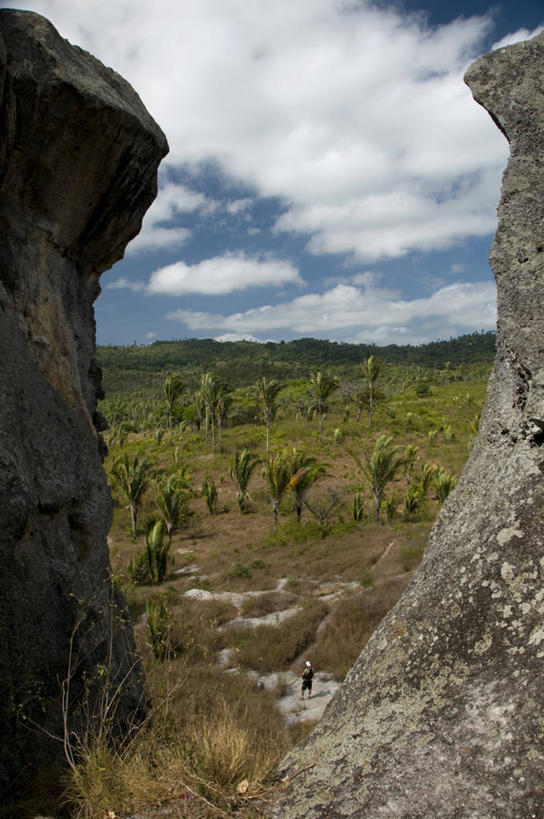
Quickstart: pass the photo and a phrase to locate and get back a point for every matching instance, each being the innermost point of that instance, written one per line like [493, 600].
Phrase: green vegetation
[242, 467]
[351, 510]
[142, 369]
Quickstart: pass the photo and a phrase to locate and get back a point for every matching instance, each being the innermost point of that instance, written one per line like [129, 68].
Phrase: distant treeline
[243, 362]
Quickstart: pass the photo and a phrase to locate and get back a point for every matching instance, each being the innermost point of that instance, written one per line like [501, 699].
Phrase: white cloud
[238, 206]
[372, 314]
[517, 36]
[355, 115]
[123, 283]
[236, 337]
[172, 200]
[152, 237]
[223, 274]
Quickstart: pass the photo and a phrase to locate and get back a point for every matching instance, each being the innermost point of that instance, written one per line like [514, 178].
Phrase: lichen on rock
[441, 715]
[78, 164]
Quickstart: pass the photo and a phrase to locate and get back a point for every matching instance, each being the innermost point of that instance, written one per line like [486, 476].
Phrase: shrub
[413, 500]
[156, 553]
[366, 578]
[209, 490]
[423, 390]
[443, 484]
[239, 570]
[137, 569]
[158, 621]
[358, 509]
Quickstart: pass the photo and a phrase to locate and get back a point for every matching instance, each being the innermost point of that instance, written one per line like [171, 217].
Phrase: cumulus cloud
[223, 274]
[356, 116]
[172, 200]
[369, 312]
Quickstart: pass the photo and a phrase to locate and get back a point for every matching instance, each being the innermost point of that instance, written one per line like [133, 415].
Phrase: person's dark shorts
[306, 684]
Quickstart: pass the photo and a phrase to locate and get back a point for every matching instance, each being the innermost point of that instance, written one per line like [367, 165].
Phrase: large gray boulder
[442, 714]
[78, 161]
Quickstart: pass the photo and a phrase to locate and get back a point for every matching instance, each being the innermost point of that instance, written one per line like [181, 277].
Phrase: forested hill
[242, 362]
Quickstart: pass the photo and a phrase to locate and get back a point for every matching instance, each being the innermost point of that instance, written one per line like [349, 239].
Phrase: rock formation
[442, 714]
[78, 161]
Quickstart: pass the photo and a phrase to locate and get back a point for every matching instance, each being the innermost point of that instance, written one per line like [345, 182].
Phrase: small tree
[242, 467]
[322, 387]
[372, 369]
[131, 477]
[325, 507]
[172, 387]
[268, 391]
[304, 471]
[171, 498]
[223, 403]
[380, 468]
[277, 471]
[214, 394]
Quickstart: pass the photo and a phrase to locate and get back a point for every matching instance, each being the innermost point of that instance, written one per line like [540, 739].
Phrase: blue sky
[329, 173]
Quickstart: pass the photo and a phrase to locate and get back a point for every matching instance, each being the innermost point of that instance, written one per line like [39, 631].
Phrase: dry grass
[263, 604]
[209, 731]
[273, 648]
[352, 623]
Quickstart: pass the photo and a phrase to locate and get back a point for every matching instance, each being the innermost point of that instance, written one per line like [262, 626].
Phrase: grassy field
[213, 725]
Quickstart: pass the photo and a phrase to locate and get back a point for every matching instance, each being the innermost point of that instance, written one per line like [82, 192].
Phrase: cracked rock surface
[442, 714]
[78, 161]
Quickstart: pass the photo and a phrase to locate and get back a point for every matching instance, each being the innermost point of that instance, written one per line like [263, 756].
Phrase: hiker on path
[307, 676]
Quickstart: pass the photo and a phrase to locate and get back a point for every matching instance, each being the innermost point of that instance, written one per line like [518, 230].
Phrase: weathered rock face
[442, 714]
[78, 161]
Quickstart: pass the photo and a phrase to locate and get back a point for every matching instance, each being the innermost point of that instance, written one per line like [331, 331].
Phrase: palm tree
[200, 408]
[277, 470]
[156, 553]
[172, 387]
[268, 392]
[241, 471]
[322, 387]
[205, 397]
[443, 484]
[304, 471]
[131, 478]
[214, 396]
[372, 368]
[171, 499]
[223, 402]
[410, 457]
[380, 468]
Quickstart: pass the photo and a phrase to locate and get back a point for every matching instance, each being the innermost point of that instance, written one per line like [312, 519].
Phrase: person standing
[307, 677]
